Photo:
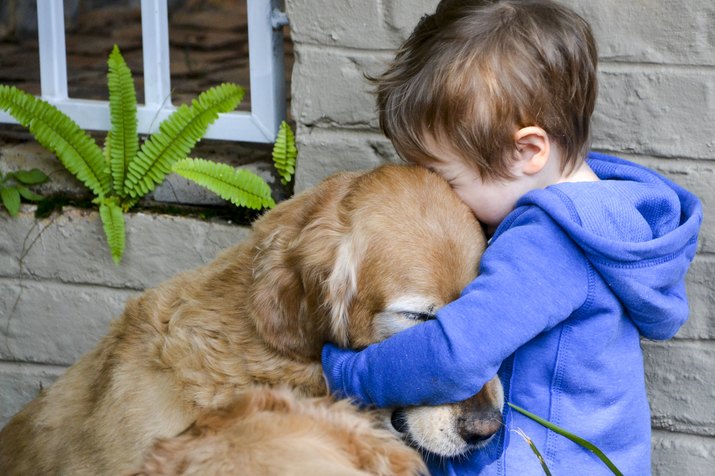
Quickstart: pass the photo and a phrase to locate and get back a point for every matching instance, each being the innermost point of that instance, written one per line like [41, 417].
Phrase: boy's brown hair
[476, 71]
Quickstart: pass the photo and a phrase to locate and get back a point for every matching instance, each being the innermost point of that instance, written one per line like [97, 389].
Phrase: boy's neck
[582, 173]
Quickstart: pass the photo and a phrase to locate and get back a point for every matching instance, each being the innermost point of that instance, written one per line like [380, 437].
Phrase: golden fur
[327, 265]
[272, 432]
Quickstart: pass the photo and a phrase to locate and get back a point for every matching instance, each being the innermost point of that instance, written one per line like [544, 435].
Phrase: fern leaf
[54, 130]
[240, 187]
[123, 142]
[113, 224]
[177, 136]
[284, 153]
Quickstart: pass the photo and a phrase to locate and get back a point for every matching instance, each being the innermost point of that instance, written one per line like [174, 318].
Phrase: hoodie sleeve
[531, 278]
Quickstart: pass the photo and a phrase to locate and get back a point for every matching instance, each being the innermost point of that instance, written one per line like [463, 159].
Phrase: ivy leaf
[28, 194]
[11, 200]
[30, 177]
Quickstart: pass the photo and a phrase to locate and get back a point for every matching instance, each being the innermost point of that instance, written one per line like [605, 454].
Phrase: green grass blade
[176, 137]
[535, 450]
[123, 143]
[240, 187]
[285, 153]
[55, 131]
[566, 434]
[113, 224]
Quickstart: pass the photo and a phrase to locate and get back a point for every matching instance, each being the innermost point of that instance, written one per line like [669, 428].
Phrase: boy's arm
[531, 278]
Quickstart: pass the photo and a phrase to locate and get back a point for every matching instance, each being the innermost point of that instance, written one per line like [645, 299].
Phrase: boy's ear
[533, 149]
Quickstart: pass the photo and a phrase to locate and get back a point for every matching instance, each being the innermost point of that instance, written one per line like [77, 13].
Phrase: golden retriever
[352, 261]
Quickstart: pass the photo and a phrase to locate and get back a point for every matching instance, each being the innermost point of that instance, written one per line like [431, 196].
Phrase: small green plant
[14, 185]
[566, 434]
[125, 170]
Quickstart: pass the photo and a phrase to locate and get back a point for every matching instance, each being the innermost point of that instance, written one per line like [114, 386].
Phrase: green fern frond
[113, 224]
[58, 133]
[123, 142]
[284, 153]
[177, 136]
[107, 150]
[240, 187]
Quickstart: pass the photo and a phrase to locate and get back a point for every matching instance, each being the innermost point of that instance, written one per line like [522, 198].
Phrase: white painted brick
[375, 25]
[329, 87]
[679, 375]
[680, 454]
[653, 31]
[46, 322]
[20, 383]
[656, 111]
[72, 248]
[323, 152]
[700, 285]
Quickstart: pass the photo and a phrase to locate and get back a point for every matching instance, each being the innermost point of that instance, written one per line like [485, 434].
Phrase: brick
[700, 282]
[20, 383]
[355, 24]
[329, 87]
[653, 31]
[655, 111]
[54, 323]
[679, 377]
[329, 151]
[675, 453]
[72, 248]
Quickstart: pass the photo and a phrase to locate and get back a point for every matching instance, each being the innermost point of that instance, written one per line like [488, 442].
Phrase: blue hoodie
[571, 280]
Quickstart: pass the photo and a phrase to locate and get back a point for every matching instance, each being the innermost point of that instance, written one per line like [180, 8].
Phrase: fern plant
[125, 170]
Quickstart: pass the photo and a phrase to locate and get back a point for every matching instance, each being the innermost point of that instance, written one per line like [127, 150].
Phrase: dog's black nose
[477, 430]
[399, 420]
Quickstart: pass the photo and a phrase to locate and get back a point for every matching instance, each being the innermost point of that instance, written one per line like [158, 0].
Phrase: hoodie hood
[638, 230]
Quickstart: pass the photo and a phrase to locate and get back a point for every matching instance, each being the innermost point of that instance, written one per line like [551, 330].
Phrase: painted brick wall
[656, 106]
[58, 288]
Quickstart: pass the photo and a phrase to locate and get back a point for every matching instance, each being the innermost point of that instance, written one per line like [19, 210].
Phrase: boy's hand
[334, 361]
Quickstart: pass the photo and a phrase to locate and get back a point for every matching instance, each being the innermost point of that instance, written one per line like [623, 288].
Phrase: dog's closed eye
[418, 316]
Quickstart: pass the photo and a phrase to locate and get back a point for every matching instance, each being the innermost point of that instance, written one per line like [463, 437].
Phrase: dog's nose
[476, 430]
[399, 420]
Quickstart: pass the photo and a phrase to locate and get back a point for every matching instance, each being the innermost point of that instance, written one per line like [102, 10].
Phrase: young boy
[588, 252]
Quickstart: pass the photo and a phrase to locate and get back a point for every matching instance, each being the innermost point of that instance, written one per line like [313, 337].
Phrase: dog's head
[362, 257]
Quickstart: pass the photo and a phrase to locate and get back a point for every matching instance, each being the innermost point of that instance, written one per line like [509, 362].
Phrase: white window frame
[266, 64]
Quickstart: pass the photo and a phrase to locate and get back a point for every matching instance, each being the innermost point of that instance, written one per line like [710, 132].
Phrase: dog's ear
[304, 273]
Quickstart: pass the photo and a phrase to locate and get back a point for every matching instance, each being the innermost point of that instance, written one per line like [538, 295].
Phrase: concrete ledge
[70, 247]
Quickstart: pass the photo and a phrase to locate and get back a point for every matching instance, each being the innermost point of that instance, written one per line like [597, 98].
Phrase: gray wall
[59, 289]
[656, 106]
